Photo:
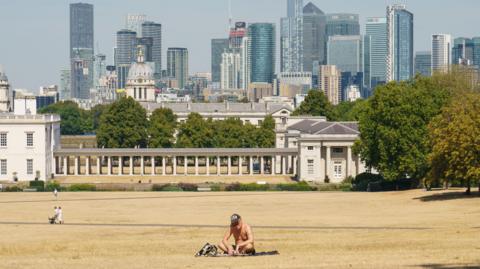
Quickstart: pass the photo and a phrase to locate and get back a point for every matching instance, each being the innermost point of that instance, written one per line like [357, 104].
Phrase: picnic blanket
[209, 250]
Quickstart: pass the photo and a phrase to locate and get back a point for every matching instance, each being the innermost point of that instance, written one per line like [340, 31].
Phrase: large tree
[123, 125]
[74, 120]
[315, 104]
[96, 113]
[349, 111]
[455, 139]
[161, 130]
[195, 132]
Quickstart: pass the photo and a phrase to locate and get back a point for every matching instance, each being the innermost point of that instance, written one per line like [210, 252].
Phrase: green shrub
[345, 186]
[82, 187]
[52, 185]
[13, 189]
[215, 187]
[301, 186]
[166, 187]
[37, 184]
[362, 180]
[233, 187]
[188, 187]
[247, 187]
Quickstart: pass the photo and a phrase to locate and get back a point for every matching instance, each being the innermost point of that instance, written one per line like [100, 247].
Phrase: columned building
[141, 80]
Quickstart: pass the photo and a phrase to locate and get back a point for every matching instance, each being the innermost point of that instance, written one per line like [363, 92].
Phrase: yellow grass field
[414, 229]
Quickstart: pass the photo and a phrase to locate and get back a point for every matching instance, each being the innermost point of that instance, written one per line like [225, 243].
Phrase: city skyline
[51, 54]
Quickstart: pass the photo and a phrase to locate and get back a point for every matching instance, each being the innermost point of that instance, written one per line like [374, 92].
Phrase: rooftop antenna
[230, 19]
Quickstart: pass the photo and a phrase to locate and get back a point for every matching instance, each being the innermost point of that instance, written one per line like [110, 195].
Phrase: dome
[140, 71]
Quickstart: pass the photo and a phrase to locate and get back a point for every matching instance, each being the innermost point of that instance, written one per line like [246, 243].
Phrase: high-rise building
[4, 92]
[153, 30]
[133, 22]
[291, 38]
[230, 70]
[124, 54]
[329, 82]
[81, 49]
[466, 51]
[346, 53]
[423, 63]
[219, 46]
[342, 24]
[99, 68]
[261, 52]
[441, 52]
[376, 34]
[314, 36]
[235, 66]
[177, 65]
[399, 43]
[65, 84]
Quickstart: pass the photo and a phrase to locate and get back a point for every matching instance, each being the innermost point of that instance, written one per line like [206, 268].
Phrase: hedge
[82, 187]
[37, 184]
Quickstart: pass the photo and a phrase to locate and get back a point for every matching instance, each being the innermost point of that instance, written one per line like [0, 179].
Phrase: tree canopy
[74, 120]
[315, 104]
[161, 129]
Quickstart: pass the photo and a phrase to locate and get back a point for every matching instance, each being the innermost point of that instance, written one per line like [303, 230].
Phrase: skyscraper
[399, 43]
[124, 54]
[81, 49]
[423, 63]
[153, 30]
[261, 37]
[65, 83]
[291, 38]
[177, 65]
[441, 52]
[376, 31]
[133, 22]
[235, 64]
[99, 68]
[342, 24]
[219, 46]
[329, 82]
[466, 51]
[314, 36]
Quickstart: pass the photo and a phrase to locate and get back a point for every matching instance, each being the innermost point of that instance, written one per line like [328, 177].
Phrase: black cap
[234, 219]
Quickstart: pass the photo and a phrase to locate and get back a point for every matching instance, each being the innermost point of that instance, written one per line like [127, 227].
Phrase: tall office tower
[133, 22]
[314, 36]
[154, 31]
[99, 68]
[441, 52]
[376, 32]
[81, 49]
[65, 84]
[230, 70]
[4, 92]
[219, 46]
[291, 38]
[235, 67]
[423, 63]
[261, 37]
[329, 80]
[476, 51]
[466, 51]
[146, 43]
[124, 54]
[236, 36]
[177, 65]
[399, 43]
[342, 24]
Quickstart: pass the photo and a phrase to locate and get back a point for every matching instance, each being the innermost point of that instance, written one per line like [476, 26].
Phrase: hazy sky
[34, 34]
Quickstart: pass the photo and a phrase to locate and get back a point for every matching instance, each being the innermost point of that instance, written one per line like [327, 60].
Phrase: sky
[34, 34]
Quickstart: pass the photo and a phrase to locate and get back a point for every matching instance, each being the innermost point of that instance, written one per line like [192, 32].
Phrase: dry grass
[311, 230]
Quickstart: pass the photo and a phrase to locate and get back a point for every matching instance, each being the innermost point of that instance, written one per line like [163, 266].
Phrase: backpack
[207, 251]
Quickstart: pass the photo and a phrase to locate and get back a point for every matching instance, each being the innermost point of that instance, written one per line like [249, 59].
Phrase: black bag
[207, 251]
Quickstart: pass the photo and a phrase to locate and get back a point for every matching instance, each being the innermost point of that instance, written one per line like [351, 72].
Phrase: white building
[441, 52]
[4, 92]
[302, 79]
[27, 143]
[141, 81]
[353, 93]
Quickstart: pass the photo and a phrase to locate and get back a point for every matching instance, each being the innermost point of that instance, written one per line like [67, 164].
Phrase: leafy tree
[74, 120]
[195, 132]
[349, 111]
[455, 139]
[123, 125]
[316, 104]
[161, 129]
[265, 135]
[96, 113]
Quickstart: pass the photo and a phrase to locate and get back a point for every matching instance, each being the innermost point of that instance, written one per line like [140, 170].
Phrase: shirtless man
[242, 233]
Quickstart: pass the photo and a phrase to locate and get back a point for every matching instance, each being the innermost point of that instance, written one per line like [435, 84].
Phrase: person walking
[55, 193]
[60, 215]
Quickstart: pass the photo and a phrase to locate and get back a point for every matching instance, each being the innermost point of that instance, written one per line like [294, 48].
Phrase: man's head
[235, 219]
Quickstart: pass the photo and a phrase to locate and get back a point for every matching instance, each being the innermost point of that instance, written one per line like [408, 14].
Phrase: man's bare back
[242, 233]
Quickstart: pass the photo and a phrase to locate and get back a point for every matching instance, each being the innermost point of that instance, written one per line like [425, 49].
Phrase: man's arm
[249, 238]
[226, 237]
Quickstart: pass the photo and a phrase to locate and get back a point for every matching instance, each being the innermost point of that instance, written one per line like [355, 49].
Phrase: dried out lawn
[310, 230]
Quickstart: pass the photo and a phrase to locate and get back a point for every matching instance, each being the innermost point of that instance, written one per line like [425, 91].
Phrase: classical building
[4, 92]
[141, 80]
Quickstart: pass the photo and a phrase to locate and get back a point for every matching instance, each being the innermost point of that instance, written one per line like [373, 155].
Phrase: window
[3, 139]
[29, 166]
[337, 170]
[29, 139]
[310, 147]
[337, 150]
[3, 167]
[310, 167]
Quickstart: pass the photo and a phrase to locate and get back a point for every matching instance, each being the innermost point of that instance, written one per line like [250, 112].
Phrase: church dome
[140, 69]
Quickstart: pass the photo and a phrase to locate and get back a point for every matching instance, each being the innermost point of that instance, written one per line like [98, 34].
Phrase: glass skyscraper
[399, 43]
[376, 32]
[314, 36]
[291, 38]
[423, 63]
[466, 51]
[342, 24]
[262, 46]
[153, 30]
[177, 65]
[125, 52]
[81, 50]
[218, 46]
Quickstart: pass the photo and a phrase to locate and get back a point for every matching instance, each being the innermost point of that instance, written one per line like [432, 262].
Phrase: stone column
[120, 165]
[240, 172]
[152, 159]
[250, 166]
[174, 160]
[284, 165]
[196, 165]
[109, 161]
[131, 165]
[262, 165]
[218, 166]
[142, 165]
[273, 165]
[294, 163]
[349, 161]
[327, 163]
[76, 166]
[229, 166]
[164, 166]
[99, 166]
[185, 165]
[87, 166]
[207, 160]
[65, 166]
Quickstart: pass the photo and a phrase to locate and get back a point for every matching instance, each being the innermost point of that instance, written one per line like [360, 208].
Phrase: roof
[326, 128]
[311, 8]
[219, 107]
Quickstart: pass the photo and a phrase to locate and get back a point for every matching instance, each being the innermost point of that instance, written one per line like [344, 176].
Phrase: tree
[265, 135]
[455, 139]
[161, 130]
[96, 113]
[393, 127]
[349, 111]
[315, 104]
[74, 120]
[195, 132]
[123, 125]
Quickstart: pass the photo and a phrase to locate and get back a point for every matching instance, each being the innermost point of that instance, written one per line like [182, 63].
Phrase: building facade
[342, 24]
[81, 49]
[376, 32]
[126, 43]
[177, 65]
[441, 53]
[141, 80]
[133, 22]
[261, 52]
[4, 92]
[399, 43]
[330, 82]
[65, 84]
[314, 36]
[423, 63]
[153, 30]
[346, 52]
[218, 47]
[291, 38]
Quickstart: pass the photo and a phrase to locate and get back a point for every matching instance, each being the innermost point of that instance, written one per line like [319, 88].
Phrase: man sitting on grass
[242, 233]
